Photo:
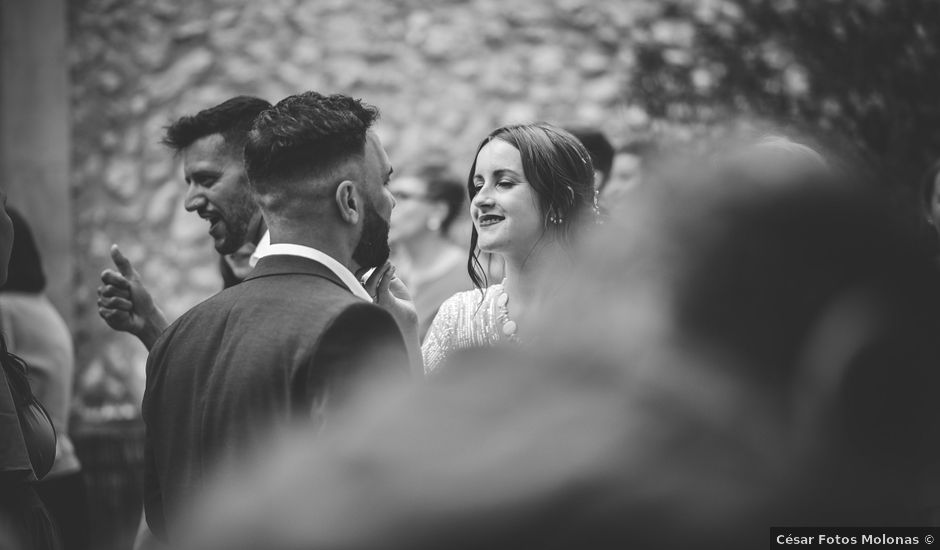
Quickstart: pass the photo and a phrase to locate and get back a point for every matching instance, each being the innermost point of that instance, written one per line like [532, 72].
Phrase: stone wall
[443, 72]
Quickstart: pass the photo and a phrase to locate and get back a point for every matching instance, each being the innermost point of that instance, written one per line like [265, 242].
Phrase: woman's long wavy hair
[559, 169]
[16, 370]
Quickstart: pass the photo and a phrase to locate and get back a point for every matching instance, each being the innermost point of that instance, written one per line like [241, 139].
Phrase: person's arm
[391, 294]
[125, 303]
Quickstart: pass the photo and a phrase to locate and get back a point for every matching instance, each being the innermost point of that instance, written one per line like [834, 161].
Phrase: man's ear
[349, 201]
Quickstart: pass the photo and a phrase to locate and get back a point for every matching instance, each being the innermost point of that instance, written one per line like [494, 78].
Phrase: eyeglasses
[404, 196]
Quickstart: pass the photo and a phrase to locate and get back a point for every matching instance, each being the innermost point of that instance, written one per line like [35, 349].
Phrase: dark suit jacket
[252, 358]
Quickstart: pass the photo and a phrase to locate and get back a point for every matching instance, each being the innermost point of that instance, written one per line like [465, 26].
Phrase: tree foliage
[863, 69]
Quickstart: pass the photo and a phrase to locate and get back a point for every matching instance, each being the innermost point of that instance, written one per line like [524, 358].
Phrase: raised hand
[125, 304]
[390, 292]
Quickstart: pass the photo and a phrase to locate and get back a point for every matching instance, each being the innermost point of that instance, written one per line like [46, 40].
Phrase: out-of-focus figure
[741, 349]
[531, 186]
[432, 266]
[36, 332]
[601, 151]
[27, 439]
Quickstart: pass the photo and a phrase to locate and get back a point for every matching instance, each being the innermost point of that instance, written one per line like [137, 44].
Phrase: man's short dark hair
[600, 149]
[231, 119]
[305, 135]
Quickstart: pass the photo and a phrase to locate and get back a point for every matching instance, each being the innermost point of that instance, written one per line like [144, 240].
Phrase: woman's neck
[525, 276]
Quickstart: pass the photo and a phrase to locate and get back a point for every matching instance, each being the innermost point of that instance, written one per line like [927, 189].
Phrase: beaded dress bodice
[462, 322]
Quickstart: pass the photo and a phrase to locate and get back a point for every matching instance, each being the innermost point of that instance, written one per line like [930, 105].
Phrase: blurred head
[775, 157]
[25, 272]
[427, 201]
[754, 230]
[601, 151]
[211, 143]
[778, 321]
[779, 324]
[528, 183]
[313, 162]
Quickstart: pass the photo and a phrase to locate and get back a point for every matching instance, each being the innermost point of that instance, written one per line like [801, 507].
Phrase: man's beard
[236, 224]
[372, 250]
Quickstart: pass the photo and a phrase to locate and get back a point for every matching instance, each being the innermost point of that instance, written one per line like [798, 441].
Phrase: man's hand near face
[126, 305]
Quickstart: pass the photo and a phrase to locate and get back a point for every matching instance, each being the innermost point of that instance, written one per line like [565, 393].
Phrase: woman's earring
[597, 207]
[555, 219]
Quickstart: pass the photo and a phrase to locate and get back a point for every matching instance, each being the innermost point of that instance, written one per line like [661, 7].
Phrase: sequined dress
[463, 321]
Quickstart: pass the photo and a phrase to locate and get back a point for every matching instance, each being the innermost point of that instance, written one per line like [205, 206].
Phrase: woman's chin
[490, 247]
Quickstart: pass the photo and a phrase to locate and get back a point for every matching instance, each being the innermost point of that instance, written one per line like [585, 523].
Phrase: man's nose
[194, 199]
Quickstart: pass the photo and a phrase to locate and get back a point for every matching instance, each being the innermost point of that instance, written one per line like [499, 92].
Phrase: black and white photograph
[469, 274]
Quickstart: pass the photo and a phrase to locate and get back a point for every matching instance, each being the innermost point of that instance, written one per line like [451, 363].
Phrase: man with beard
[299, 338]
[210, 144]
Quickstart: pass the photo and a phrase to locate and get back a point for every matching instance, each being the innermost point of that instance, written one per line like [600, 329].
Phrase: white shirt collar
[262, 249]
[265, 248]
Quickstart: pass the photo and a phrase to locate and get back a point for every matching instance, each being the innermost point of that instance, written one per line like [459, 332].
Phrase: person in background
[210, 144]
[531, 187]
[36, 332]
[601, 151]
[27, 439]
[432, 267]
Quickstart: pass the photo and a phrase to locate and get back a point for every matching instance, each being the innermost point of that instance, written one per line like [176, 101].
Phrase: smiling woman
[531, 186]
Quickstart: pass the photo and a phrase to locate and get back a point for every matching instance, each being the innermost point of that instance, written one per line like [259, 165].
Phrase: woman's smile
[487, 220]
[503, 194]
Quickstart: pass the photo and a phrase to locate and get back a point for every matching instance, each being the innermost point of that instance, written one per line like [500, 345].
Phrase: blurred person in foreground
[27, 439]
[433, 267]
[531, 186]
[36, 332]
[210, 144]
[290, 343]
[749, 345]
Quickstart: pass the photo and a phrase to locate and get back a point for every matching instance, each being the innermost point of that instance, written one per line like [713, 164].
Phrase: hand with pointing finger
[125, 304]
